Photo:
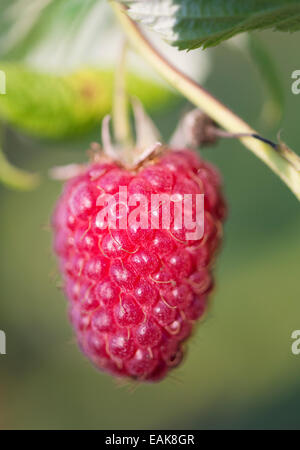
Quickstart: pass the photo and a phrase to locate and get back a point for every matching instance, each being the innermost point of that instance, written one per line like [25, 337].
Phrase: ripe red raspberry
[135, 294]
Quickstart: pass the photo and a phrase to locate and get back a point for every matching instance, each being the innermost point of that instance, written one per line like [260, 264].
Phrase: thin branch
[284, 168]
[16, 178]
[121, 123]
[12, 176]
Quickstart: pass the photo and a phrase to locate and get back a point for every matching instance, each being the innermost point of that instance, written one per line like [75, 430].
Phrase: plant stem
[121, 123]
[12, 176]
[16, 178]
[284, 168]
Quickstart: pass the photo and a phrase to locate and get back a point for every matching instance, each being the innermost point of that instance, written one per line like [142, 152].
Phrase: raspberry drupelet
[135, 294]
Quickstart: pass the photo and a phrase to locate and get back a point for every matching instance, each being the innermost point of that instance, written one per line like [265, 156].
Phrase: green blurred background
[240, 371]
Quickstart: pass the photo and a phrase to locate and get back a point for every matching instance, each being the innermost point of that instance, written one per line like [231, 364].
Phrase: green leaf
[25, 23]
[61, 106]
[273, 107]
[194, 23]
[251, 47]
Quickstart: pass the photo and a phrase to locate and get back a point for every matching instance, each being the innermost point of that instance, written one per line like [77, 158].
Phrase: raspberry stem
[283, 166]
[121, 123]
